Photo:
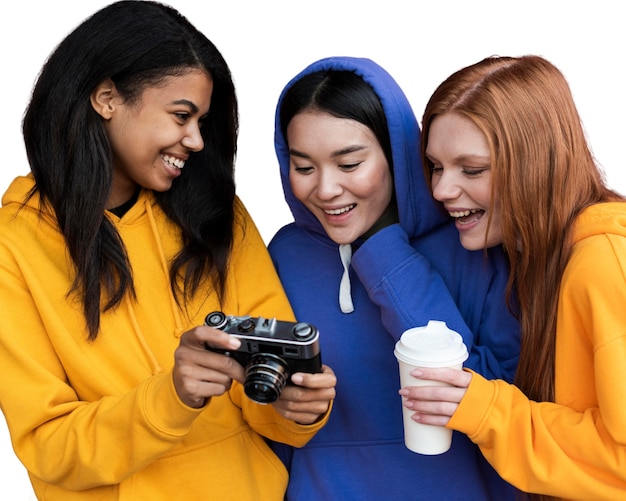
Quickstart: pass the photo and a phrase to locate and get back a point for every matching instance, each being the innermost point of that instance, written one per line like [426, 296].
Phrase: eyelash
[184, 118]
[473, 172]
[349, 166]
[306, 170]
[303, 170]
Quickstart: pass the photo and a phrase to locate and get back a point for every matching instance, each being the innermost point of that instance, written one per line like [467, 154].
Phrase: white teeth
[336, 212]
[463, 213]
[176, 162]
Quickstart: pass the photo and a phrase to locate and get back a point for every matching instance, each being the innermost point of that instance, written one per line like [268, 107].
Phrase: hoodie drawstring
[177, 320]
[156, 367]
[345, 294]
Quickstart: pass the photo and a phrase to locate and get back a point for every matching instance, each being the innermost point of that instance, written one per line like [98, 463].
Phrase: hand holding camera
[270, 351]
[199, 374]
[273, 353]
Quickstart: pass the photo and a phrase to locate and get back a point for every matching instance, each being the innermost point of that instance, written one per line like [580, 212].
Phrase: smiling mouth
[467, 216]
[338, 212]
[173, 161]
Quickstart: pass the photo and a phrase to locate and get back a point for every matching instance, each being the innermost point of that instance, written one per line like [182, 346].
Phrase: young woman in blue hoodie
[368, 256]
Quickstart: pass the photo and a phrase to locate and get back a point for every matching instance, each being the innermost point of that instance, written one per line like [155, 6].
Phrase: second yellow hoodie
[574, 448]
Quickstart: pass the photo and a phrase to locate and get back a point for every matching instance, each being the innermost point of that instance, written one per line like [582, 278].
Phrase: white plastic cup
[434, 345]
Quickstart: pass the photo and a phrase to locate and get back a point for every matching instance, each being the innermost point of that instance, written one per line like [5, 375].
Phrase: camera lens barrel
[266, 376]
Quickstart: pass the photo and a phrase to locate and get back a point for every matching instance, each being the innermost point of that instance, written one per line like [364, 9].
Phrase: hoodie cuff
[382, 252]
[163, 408]
[473, 409]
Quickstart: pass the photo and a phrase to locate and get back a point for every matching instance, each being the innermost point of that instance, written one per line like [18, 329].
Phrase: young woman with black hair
[124, 236]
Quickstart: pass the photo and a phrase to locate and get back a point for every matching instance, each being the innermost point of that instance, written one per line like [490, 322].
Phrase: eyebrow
[187, 102]
[464, 158]
[337, 153]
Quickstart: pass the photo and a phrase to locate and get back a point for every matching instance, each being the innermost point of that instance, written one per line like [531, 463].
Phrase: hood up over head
[418, 212]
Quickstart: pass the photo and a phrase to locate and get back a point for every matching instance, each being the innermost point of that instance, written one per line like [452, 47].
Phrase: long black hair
[136, 44]
[342, 94]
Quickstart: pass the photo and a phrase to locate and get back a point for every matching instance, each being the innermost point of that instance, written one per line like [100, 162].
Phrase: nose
[193, 138]
[444, 186]
[329, 184]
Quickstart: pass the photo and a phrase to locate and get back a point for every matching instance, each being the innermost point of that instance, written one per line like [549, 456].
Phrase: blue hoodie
[401, 277]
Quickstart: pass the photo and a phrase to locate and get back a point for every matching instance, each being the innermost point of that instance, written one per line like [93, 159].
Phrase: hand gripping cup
[431, 346]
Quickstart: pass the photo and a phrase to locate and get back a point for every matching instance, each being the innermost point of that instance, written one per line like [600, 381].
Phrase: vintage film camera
[271, 350]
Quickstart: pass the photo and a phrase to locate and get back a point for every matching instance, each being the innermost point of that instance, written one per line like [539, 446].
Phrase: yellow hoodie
[574, 448]
[101, 420]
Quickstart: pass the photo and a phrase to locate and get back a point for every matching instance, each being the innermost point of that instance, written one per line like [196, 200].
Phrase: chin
[340, 239]
[472, 244]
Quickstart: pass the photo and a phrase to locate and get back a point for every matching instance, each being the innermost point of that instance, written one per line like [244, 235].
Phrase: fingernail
[297, 378]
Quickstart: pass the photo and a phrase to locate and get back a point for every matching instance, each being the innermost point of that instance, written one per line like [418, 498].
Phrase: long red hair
[545, 175]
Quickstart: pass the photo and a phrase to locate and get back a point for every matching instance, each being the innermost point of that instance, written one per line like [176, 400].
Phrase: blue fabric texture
[401, 277]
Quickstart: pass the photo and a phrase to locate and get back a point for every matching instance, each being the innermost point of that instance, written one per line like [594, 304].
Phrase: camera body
[271, 350]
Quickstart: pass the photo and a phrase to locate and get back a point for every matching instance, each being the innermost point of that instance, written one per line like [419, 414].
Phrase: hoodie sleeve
[574, 448]
[260, 293]
[545, 447]
[409, 292]
[270, 424]
[61, 439]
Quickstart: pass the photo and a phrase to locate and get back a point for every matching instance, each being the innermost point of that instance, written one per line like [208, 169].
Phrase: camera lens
[266, 375]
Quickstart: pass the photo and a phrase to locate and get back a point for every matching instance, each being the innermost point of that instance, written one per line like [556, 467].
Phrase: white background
[266, 43]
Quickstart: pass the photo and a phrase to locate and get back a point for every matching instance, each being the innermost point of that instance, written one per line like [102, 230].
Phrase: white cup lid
[434, 345]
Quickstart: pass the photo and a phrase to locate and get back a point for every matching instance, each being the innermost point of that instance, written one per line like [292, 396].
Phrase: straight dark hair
[136, 44]
[343, 94]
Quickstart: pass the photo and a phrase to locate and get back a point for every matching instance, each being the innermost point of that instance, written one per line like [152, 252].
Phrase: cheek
[388, 184]
[300, 186]
[380, 187]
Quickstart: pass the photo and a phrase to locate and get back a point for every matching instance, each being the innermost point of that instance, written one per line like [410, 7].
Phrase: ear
[104, 98]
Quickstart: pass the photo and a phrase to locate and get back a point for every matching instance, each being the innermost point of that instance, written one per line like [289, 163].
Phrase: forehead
[192, 87]
[314, 126]
[453, 134]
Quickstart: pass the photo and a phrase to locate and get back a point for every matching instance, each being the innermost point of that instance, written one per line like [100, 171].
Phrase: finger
[203, 337]
[433, 393]
[299, 406]
[212, 386]
[453, 377]
[293, 393]
[194, 384]
[189, 362]
[301, 412]
[432, 407]
[430, 419]
[324, 379]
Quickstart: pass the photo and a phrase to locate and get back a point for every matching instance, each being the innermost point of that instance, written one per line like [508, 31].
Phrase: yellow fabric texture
[101, 420]
[574, 448]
